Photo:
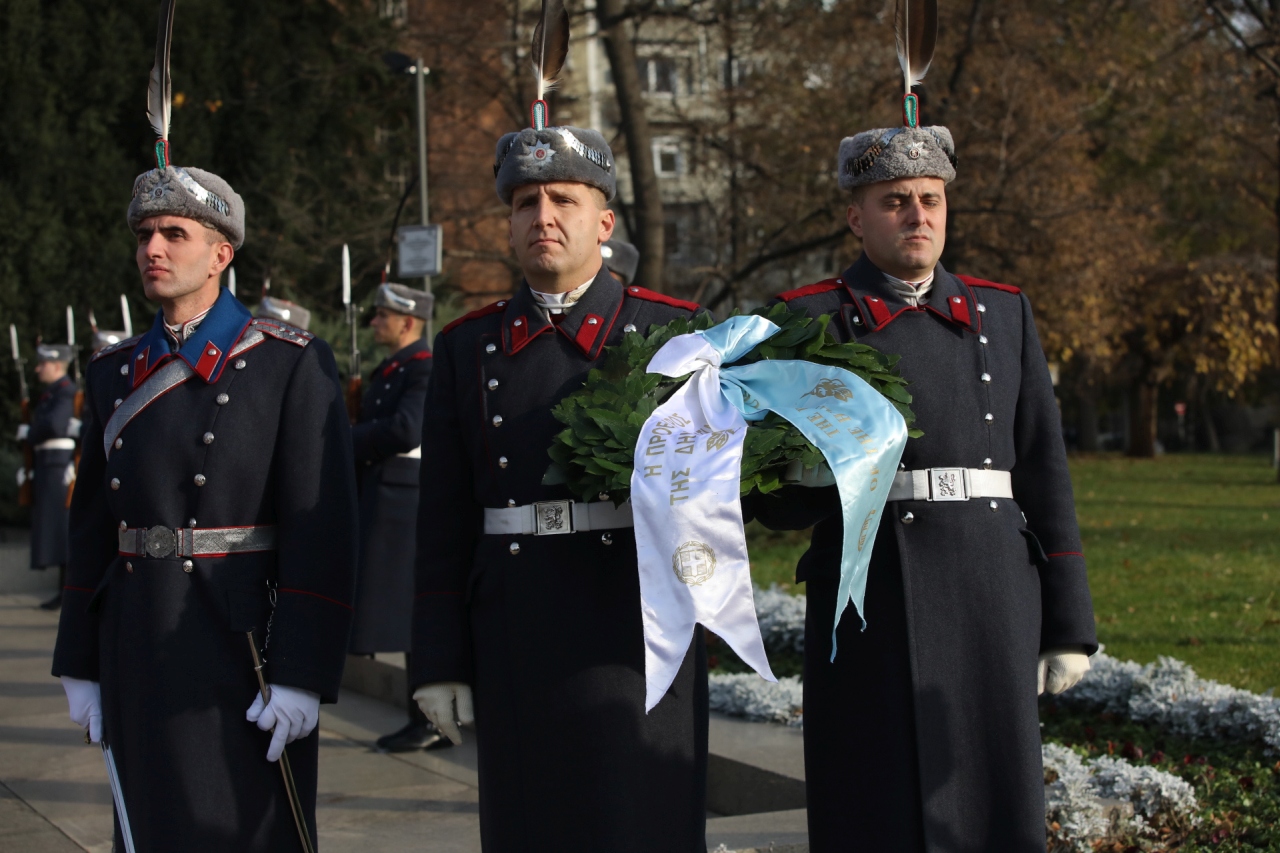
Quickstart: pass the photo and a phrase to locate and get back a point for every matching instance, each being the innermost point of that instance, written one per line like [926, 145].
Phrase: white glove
[69, 474]
[22, 477]
[23, 431]
[1059, 671]
[437, 702]
[292, 712]
[85, 701]
[73, 427]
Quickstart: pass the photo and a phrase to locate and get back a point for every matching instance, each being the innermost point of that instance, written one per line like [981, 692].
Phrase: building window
[394, 10]
[659, 75]
[668, 160]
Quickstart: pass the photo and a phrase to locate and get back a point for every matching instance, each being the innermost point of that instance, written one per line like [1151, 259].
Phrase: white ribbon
[690, 541]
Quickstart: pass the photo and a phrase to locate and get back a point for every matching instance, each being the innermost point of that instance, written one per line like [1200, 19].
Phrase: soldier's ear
[854, 218]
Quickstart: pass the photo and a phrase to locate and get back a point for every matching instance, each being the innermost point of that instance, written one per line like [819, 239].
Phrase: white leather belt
[416, 453]
[161, 542]
[950, 484]
[57, 444]
[551, 518]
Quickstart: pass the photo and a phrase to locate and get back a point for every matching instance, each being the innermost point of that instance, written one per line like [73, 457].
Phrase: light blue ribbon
[858, 431]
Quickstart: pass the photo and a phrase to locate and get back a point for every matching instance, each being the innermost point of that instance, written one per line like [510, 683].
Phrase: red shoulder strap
[978, 282]
[810, 290]
[651, 296]
[493, 308]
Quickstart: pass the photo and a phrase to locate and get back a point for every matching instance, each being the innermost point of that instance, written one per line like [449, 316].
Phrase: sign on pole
[420, 250]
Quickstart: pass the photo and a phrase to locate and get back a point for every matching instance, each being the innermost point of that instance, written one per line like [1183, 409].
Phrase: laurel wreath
[594, 454]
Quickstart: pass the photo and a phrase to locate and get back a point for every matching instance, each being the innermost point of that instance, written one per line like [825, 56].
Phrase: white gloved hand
[438, 701]
[74, 426]
[69, 474]
[1059, 671]
[22, 477]
[292, 713]
[23, 431]
[84, 698]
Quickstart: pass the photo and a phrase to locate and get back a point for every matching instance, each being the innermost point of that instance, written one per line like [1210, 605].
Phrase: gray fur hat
[621, 258]
[54, 352]
[192, 193]
[554, 154]
[271, 308]
[886, 154]
[404, 300]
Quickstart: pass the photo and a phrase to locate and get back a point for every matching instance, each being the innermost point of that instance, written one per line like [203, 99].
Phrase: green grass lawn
[1184, 560]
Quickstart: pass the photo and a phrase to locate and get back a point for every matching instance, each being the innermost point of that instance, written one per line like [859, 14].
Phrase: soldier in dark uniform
[386, 440]
[52, 434]
[216, 497]
[923, 733]
[621, 259]
[527, 600]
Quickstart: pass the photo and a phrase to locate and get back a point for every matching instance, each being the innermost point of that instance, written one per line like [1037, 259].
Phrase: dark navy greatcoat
[924, 734]
[51, 419]
[256, 434]
[547, 629]
[390, 427]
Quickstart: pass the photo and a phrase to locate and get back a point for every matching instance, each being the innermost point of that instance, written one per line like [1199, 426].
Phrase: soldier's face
[50, 371]
[179, 256]
[556, 231]
[389, 327]
[903, 225]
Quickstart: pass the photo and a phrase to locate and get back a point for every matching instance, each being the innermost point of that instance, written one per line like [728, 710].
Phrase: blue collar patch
[205, 351]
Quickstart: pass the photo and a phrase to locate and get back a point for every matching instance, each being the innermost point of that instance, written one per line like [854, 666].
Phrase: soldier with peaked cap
[386, 438]
[52, 434]
[621, 259]
[216, 497]
[528, 603]
[923, 733]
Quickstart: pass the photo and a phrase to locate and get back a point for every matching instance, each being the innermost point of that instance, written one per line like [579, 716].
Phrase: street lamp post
[421, 77]
[401, 63]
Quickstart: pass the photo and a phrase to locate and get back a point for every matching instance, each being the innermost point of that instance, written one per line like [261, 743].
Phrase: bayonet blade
[71, 326]
[128, 318]
[13, 342]
[346, 275]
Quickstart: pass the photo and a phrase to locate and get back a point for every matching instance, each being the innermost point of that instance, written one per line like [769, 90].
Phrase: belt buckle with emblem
[552, 517]
[161, 542]
[947, 484]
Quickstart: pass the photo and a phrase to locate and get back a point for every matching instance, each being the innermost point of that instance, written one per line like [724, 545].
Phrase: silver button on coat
[493, 384]
[515, 548]
[115, 483]
[200, 479]
[223, 399]
[207, 438]
[497, 420]
[502, 462]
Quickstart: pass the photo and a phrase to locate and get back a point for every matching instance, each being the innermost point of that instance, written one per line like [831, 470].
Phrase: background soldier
[52, 435]
[544, 630]
[216, 498]
[386, 440]
[621, 259]
[977, 582]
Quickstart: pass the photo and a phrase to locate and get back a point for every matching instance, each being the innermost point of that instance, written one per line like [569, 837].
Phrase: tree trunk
[1087, 417]
[1142, 420]
[635, 125]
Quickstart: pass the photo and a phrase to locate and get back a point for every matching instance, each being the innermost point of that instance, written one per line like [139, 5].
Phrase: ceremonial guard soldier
[923, 732]
[52, 436]
[527, 600]
[386, 439]
[216, 499]
[621, 259]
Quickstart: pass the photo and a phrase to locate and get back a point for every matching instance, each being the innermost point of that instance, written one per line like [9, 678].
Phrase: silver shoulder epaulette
[119, 345]
[283, 331]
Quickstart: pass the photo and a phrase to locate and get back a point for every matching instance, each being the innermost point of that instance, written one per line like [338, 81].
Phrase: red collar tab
[959, 310]
[417, 356]
[880, 312]
[588, 332]
[141, 366]
[520, 330]
[208, 361]
[492, 308]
